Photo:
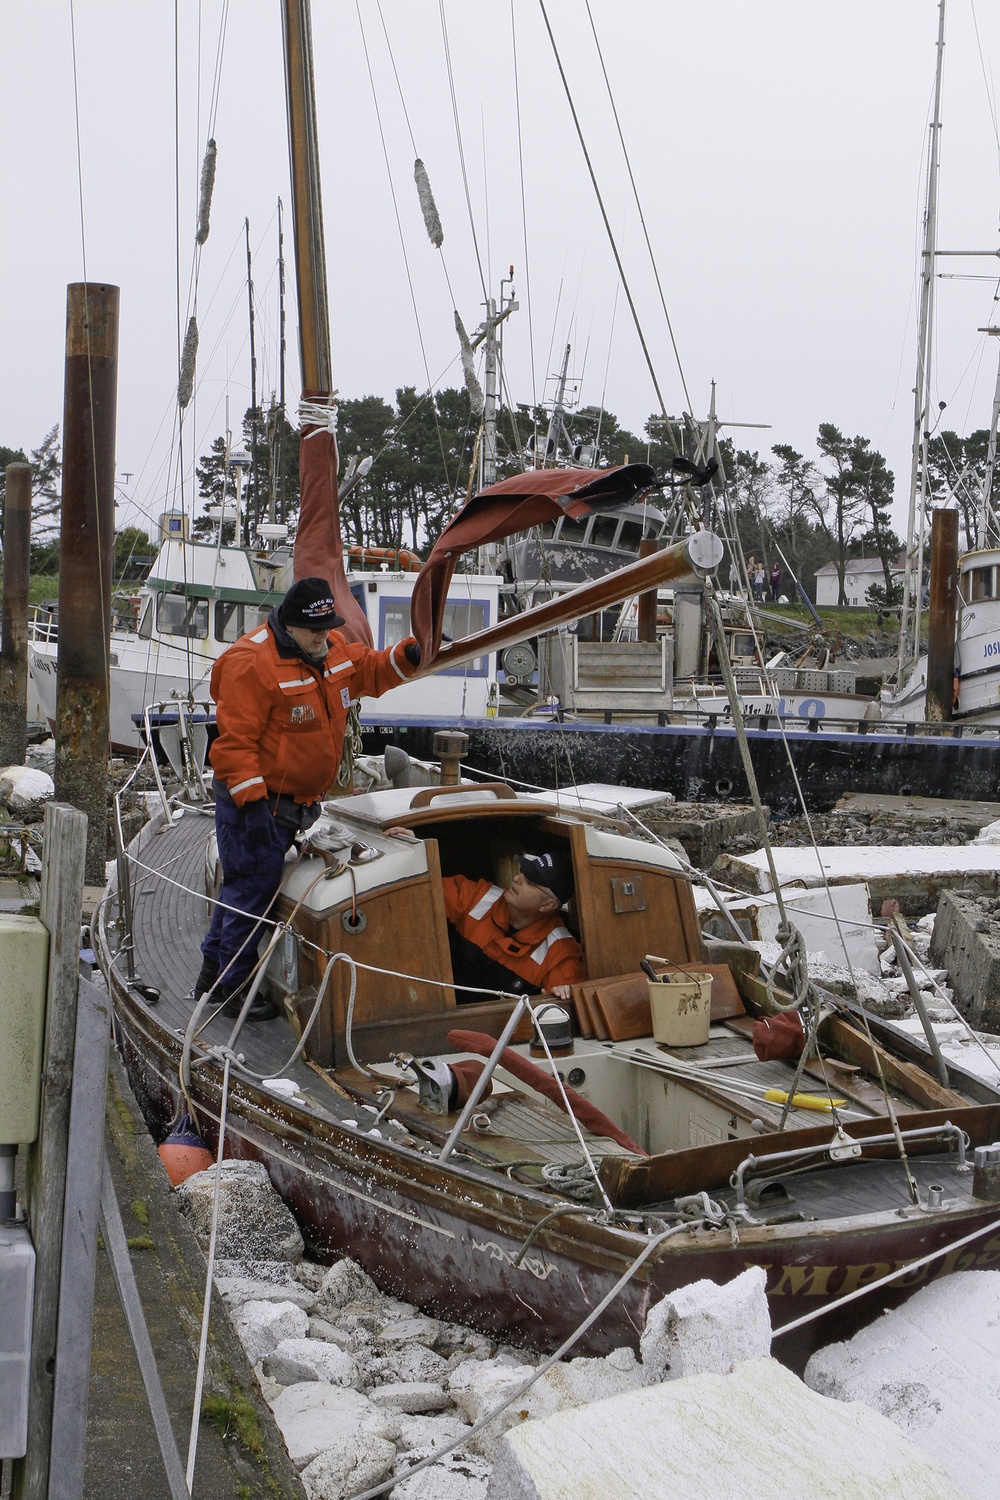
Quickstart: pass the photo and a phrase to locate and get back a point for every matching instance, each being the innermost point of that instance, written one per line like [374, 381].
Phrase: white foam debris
[23, 786]
[758, 1431]
[287, 1088]
[261, 1326]
[932, 1367]
[314, 1418]
[988, 835]
[298, 1359]
[457, 1476]
[707, 1329]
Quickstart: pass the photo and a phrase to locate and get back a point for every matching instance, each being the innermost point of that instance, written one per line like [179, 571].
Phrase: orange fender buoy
[184, 1152]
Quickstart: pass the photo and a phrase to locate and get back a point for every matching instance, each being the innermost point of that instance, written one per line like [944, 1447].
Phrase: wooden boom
[698, 554]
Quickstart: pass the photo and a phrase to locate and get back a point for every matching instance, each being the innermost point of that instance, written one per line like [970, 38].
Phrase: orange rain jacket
[281, 720]
[544, 953]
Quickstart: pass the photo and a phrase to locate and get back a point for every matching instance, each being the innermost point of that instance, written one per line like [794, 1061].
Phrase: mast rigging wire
[399, 222]
[642, 217]
[461, 148]
[610, 232]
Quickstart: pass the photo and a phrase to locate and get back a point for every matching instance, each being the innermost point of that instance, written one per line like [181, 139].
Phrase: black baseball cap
[553, 871]
[309, 604]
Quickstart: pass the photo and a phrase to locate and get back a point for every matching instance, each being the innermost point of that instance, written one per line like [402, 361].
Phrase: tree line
[831, 508]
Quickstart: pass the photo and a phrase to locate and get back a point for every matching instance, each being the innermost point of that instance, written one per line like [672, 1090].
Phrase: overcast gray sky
[778, 147]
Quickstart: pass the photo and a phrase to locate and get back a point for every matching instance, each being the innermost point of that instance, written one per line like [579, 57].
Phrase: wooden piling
[942, 616]
[648, 601]
[86, 560]
[14, 649]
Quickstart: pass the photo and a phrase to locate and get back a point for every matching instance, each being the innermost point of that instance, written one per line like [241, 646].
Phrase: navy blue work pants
[250, 878]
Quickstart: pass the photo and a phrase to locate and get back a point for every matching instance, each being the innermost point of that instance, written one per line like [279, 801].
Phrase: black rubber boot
[262, 1009]
[207, 976]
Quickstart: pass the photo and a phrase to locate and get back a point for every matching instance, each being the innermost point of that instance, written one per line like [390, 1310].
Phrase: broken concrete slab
[707, 1329]
[704, 829]
[965, 816]
[966, 942]
[932, 1367]
[837, 922]
[758, 1431]
[912, 874]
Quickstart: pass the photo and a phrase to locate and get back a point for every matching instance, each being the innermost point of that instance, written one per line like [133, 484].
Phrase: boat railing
[43, 624]
[844, 1148]
[764, 720]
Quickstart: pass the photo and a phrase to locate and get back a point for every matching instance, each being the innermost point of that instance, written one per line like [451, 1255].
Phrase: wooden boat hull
[445, 1237]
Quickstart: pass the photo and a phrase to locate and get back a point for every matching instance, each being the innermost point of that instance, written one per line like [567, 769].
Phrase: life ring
[406, 562]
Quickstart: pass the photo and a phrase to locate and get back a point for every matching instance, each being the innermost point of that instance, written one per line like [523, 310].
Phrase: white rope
[320, 415]
[207, 1304]
[540, 1034]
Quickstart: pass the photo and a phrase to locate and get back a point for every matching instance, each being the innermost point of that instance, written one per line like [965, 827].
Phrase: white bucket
[682, 1006]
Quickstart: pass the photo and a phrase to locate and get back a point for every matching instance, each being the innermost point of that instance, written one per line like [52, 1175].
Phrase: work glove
[412, 653]
[261, 829]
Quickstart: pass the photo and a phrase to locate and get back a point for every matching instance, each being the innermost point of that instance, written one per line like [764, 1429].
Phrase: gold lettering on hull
[838, 1281]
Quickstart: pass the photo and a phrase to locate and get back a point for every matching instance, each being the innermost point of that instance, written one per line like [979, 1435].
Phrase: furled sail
[319, 544]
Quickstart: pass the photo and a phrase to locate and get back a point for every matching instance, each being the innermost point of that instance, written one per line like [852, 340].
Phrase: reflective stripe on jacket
[545, 953]
[281, 719]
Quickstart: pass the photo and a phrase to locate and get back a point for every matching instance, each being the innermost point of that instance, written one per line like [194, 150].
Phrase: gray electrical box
[17, 1295]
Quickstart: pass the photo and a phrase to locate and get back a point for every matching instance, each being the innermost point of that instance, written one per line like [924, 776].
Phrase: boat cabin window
[982, 583]
[604, 532]
[462, 617]
[631, 536]
[358, 590]
[573, 531]
[179, 614]
[146, 620]
[234, 620]
[546, 529]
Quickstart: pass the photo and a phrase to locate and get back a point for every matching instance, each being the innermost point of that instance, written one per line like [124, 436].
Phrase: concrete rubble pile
[364, 1387]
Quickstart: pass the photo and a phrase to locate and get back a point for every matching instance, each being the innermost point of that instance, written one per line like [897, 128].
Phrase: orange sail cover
[319, 545]
[514, 504]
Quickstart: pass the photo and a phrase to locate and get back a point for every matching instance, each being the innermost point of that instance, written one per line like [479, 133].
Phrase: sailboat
[533, 1170]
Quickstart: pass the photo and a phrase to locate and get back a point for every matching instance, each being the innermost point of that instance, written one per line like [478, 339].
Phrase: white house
[859, 575]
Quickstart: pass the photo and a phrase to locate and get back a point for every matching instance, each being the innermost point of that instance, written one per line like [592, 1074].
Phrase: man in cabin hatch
[513, 939]
[282, 694]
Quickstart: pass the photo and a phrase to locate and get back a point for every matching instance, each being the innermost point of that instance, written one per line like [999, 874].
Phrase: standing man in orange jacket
[282, 694]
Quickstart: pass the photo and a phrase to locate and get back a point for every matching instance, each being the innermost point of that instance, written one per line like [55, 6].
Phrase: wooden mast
[307, 202]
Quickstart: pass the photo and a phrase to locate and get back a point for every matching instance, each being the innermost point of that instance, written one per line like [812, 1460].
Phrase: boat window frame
[478, 667]
[975, 593]
[250, 617]
[195, 614]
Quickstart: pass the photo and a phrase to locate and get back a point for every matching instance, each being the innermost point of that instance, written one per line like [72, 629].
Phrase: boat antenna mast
[546, 455]
[489, 334]
[909, 626]
[253, 488]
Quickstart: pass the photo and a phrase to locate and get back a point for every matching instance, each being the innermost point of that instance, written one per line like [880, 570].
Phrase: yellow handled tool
[803, 1101]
